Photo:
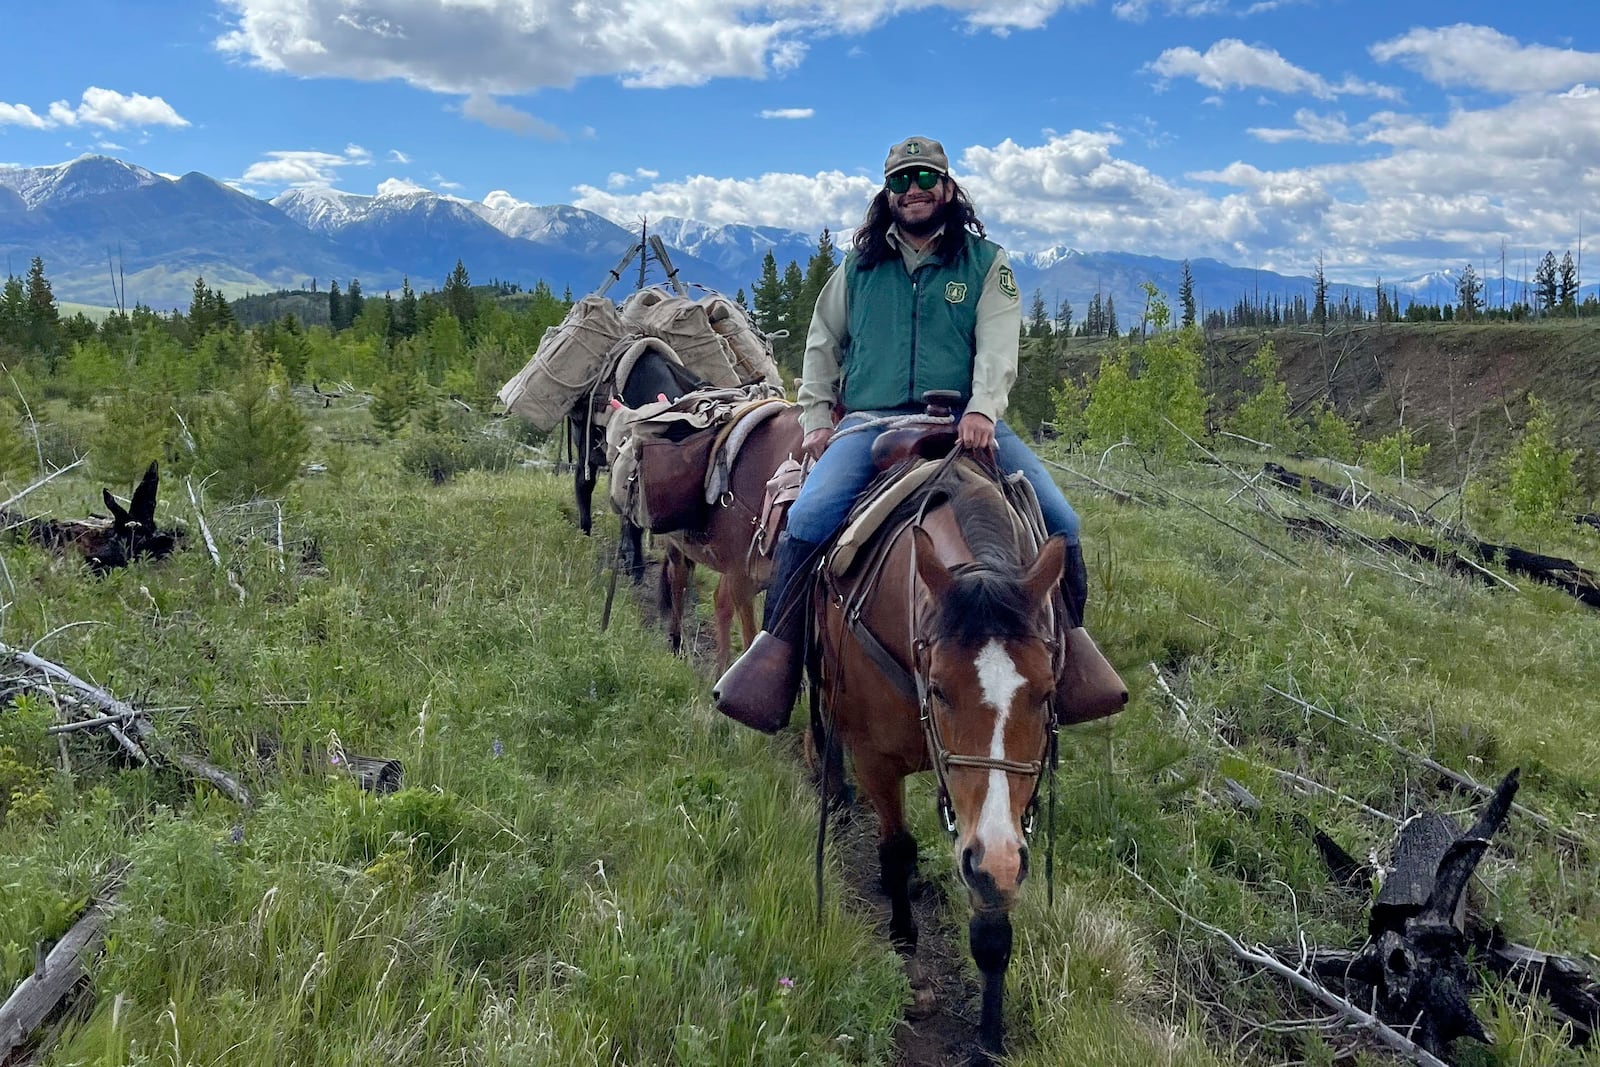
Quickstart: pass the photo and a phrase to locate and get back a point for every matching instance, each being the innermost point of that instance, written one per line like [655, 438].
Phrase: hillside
[1464, 388]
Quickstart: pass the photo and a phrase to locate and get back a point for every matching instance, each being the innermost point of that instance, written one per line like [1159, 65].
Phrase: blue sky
[1387, 138]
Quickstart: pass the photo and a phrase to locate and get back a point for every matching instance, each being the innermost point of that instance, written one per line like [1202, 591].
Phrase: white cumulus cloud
[1308, 126]
[1483, 58]
[507, 47]
[1232, 64]
[283, 169]
[106, 108]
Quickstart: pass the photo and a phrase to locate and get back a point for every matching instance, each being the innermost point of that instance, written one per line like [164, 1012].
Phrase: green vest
[908, 333]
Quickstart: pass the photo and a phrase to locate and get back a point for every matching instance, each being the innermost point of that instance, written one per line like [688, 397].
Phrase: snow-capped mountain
[320, 209]
[571, 227]
[1045, 259]
[735, 247]
[82, 178]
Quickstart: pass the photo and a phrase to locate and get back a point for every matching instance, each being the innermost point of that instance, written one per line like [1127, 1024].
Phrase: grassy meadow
[588, 866]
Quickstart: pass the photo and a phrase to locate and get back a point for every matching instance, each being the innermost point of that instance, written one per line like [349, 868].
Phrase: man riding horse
[922, 302]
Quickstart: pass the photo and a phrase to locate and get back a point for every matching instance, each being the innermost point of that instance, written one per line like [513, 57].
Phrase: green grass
[587, 865]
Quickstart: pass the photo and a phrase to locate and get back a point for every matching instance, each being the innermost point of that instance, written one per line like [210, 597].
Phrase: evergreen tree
[199, 310]
[1385, 312]
[42, 315]
[221, 312]
[336, 318]
[1064, 320]
[790, 350]
[1567, 286]
[1038, 318]
[1544, 283]
[256, 439]
[768, 295]
[1094, 323]
[458, 298]
[13, 312]
[353, 302]
[1186, 296]
[739, 298]
[1111, 318]
[392, 401]
[1468, 291]
[405, 318]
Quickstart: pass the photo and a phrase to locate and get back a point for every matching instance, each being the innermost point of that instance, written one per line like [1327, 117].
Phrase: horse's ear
[1045, 574]
[934, 574]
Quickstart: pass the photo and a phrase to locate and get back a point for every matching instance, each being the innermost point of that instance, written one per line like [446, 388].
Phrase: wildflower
[497, 748]
[237, 834]
[784, 986]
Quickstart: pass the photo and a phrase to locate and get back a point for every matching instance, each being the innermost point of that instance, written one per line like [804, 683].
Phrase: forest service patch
[955, 292]
[1008, 282]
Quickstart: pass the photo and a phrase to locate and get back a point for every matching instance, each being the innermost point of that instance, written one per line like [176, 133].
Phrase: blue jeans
[845, 469]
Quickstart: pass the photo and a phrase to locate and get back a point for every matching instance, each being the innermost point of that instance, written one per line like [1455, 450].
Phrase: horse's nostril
[969, 863]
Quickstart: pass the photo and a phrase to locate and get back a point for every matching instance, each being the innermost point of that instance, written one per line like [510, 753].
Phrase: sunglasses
[925, 179]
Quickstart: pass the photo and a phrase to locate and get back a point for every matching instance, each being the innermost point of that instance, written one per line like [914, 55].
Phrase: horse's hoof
[924, 1002]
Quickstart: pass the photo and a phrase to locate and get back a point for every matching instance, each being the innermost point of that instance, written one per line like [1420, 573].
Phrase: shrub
[256, 441]
[1540, 474]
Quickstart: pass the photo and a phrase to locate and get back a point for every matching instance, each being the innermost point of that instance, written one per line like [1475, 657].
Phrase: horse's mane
[987, 599]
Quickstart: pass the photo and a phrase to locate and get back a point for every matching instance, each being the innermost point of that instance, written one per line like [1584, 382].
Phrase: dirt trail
[940, 1024]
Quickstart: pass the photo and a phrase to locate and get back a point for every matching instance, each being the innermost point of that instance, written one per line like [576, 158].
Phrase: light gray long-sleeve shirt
[996, 334]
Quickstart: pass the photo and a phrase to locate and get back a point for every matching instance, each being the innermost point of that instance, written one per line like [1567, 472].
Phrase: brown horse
[724, 541]
[939, 651]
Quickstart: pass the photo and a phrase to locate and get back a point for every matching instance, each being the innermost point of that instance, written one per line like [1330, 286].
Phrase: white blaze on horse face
[999, 680]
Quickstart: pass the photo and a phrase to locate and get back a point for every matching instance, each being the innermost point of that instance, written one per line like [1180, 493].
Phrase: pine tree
[1064, 320]
[336, 319]
[1112, 329]
[791, 349]
[199, 310]
[353, 302]
[1468, 291]
[405, 319]
[768, 295]
[1385, 312]
[1544, 283]
[1094, 323]
[1038, 318]
[256, 440]
[458, 298]
[13, 312]
[42, 315]
[1567, 295]
[221, 312]
[1186, 296]
[739, 298]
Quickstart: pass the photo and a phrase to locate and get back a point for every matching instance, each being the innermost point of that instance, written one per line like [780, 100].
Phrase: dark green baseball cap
[917, 152]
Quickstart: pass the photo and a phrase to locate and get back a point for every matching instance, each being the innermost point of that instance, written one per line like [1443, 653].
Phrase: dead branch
[56, 974]
[205, 530]
[47, 478]
[1463, 780]
[1121, 495]
[137, 729]
[1260, 957]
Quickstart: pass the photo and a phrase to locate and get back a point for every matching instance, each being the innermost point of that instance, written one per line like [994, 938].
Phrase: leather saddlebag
[672, 480]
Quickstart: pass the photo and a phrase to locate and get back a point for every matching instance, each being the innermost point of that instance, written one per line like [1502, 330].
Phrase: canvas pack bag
[569, 359]
[686, 325]
[752, 352]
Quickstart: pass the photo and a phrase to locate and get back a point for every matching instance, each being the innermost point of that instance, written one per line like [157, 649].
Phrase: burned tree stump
[1414, 966]
[107, 543]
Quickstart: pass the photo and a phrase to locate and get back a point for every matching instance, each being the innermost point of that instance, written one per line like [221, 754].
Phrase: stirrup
[1090, 687]
[760, 688]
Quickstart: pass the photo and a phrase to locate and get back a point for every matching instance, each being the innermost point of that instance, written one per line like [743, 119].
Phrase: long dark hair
[958, 217]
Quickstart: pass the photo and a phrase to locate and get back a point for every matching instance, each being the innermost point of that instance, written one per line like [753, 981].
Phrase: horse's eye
[937, 692]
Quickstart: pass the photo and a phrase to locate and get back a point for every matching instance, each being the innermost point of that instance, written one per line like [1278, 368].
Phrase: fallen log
[56, 974]
[1567, 575]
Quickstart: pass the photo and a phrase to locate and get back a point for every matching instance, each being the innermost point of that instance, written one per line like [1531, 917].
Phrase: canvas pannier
[569, 359]
[752, 352]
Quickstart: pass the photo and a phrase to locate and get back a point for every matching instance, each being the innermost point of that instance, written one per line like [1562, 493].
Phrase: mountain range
[96, 216]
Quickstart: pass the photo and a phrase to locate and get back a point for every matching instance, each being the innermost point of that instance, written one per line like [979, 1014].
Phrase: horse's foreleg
[897, 849]
[583, 494]
[898, 858]
[989, 934]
